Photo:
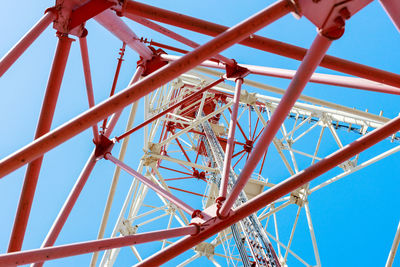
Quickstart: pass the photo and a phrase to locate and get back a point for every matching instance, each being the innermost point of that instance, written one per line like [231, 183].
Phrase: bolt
[345, 13]
[339, 21]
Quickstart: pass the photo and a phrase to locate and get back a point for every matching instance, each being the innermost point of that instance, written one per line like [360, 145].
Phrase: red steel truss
[156, 69]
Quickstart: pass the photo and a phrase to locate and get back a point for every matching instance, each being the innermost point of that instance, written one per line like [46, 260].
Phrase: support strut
[44, 124]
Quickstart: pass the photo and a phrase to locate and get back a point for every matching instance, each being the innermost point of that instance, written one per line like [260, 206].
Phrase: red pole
[109, 20]
[88, 81]
[337, 80]
[116, 75]
[261, 43]
[15, 52]
[159, 190]
[114, 119]
[43, 127]
[216, 224]
[174, 35]
[306, 69]
[69, 204]
[230, 145]
[392, 8]
[44, 254]
[143, 87]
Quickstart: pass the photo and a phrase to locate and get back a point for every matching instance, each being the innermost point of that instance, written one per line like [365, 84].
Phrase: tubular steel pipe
[216, 225]
[307, 67]
[44, 254]
[43, 127]
[143, 87]
[15, 52]
[159, 190]
[114, 183]
[173, 35]
[230, 145]
[114, 119]
[69, 204]
[109, 20]
[174, 106]
[261, 43]
[115, 80]
[392, 8]
[329, 79]
[88, 81]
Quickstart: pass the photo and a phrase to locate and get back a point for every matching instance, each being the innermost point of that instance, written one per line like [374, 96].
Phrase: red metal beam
[216, 224]
[114, 119]
[88, 11]
[306, 69]
[109, 20]
[230, 146]
[144, 86]
[329, 79]
[45, 254]
[43, 127]
[116, 76]
[69, 204]
[261, 43]
[186, 191]
[15, 52]
[174, 35]
[88, 81]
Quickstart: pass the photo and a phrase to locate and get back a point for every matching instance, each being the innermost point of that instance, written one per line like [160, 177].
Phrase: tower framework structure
[222, 154]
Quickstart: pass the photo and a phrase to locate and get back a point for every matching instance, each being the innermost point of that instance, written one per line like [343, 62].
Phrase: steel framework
[223, 154]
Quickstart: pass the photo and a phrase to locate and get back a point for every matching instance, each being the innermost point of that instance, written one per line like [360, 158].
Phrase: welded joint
[198, 228]
[235, 71]
[63, 11]
[153, 64]
[127, 229]
[335, 31]
[299, 196]
[103, 147]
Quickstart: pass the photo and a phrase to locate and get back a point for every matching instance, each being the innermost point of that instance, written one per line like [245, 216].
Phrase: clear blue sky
[355, 219]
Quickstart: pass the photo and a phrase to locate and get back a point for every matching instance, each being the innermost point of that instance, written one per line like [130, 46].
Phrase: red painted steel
[109, 20]
[174, 35]
[44, 254]
[116, 76]
[87, 11]
[230, 146]
[113, 121]
[261, 43]
[171, 108]
[159, 190]
[15, 52]
[143, 87]
[88, 81]
[43, 127]
[329, 79]
[392, 8]
[216, 224]
[69, 204]
[306, 69]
